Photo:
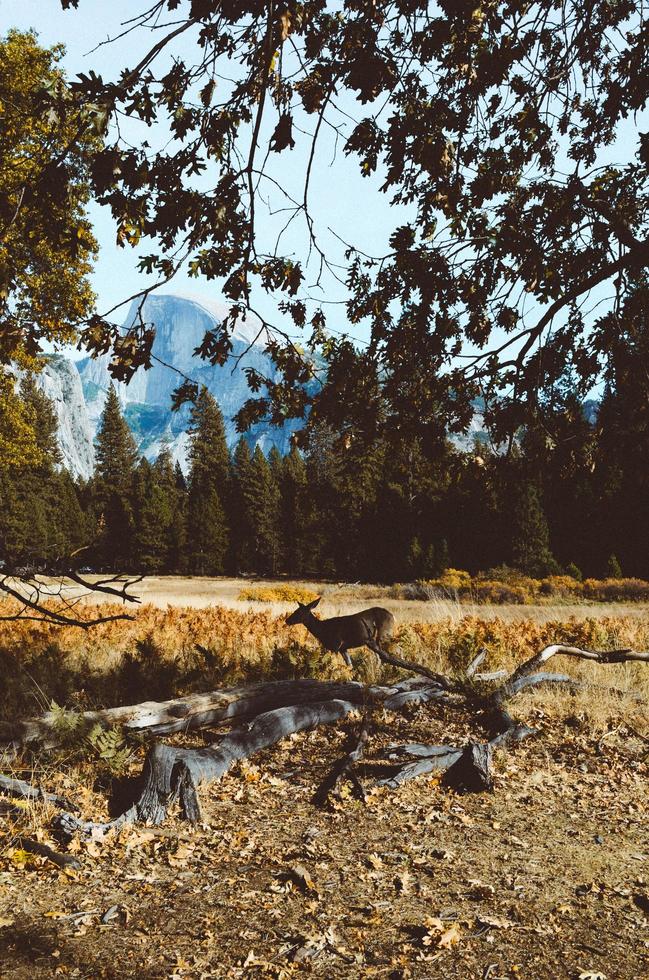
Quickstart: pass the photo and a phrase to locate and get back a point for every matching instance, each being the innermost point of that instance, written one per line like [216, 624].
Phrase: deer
[342, 633]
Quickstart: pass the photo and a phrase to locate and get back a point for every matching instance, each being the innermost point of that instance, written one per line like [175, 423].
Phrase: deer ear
[315, 602]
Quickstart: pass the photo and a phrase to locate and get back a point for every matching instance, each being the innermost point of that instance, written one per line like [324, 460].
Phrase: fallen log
[43, 850]
[195, 711]
[174, 774]
[276, 709]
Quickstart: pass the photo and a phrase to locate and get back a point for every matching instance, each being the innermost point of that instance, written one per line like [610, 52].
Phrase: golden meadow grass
[155, 656]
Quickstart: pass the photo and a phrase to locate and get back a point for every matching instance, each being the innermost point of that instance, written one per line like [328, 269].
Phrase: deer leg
[346, 657]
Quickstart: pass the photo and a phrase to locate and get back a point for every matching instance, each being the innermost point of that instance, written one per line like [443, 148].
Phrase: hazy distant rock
[181, 323]
[60, 381]
[79, 390]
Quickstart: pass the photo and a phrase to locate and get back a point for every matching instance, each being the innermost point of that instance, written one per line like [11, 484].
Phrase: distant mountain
[78, 389]
[181, 323]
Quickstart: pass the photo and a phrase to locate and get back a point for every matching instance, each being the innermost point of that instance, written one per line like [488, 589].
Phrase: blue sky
[339, 197]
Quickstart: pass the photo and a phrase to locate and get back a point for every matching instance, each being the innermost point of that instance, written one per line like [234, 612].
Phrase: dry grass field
[341, 598]
[546, 877]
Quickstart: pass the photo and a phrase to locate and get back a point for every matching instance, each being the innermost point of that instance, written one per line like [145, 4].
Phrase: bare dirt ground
[337, 599]
[547, 877]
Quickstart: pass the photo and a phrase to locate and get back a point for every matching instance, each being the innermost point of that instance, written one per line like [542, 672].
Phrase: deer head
[303, 613]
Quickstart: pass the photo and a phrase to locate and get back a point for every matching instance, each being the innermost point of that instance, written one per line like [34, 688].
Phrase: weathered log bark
[196, 711]
[430, 758]
[472, 773]
[475, 663]
[172, 773]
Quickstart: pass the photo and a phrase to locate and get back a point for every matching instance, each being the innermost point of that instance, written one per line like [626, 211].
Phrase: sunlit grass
[166, 652]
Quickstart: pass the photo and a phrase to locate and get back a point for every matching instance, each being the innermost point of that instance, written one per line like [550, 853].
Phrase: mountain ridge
[79, 388]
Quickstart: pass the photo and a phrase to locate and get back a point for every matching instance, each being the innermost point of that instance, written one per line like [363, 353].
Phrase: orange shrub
[501, 593]
[276, 593]
[561, 585]
[616, 589]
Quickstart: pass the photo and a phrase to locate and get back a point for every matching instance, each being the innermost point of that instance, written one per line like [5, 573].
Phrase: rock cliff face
[180, 324]
[60, 381]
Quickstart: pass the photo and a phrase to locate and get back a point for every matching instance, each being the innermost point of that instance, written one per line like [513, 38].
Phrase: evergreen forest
[344, 507]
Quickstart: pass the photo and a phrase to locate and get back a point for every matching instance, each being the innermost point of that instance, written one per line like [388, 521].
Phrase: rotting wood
[174, 774]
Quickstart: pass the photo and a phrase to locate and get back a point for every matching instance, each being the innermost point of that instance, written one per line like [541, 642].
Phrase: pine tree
[241, 514]
[43, 420]
[410, 483]
[164, 470]
[531, 537]
[115, 450]
[613, 569]
[116, 459]
[181, 482]
[622, 457]
[153, 515]
[207, 525]
[172, 482]
[208, 455]
[41, 520]
[263, 502]
[324, 493]
[276, 466]
[293, 489]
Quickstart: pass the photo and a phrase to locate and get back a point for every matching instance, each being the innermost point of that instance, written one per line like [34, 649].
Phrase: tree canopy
[507, 135]
[46, 243]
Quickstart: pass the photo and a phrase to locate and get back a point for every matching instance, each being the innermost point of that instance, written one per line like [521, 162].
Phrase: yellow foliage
[455, 578]
[18, 446]
[507, 586]
[276, 593]
[46, 242]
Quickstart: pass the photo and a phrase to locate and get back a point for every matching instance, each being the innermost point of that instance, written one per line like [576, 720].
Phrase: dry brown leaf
[495, 922]
[403, 883]
[449, 938]
[301, 877]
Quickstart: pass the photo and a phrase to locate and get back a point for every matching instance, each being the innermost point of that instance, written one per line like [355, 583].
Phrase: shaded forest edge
[557, 512]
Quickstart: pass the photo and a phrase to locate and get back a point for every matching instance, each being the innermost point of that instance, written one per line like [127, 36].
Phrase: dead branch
[345, 767]
[22, 790]
[174, 774]
[528, 675]
[446, 683]
[45, 601]
[43, 850]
